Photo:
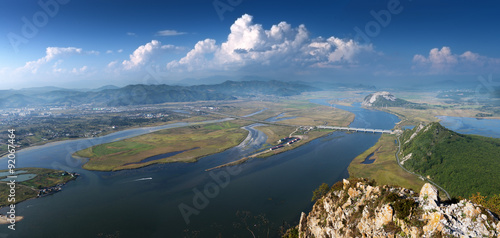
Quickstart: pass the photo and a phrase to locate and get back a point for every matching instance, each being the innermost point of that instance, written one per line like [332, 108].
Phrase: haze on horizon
[88, 44]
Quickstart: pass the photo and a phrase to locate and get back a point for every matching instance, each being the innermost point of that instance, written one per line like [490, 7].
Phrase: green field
[29, 189]
[196, 141]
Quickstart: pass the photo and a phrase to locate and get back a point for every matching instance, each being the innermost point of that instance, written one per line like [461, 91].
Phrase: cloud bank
[52, 53]
[443, 61]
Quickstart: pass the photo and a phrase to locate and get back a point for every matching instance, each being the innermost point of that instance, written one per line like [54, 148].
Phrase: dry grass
[385, 169]
[319, 115]
[311, 135]
[210, 139]
[274, 133]
[307, 113]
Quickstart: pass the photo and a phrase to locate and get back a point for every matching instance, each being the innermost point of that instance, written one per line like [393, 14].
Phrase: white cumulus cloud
[249, 43]
[144, 53]
[345, 50]
[197, 56]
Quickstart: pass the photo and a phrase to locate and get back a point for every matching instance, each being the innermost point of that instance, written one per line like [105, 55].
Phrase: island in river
[188, 144]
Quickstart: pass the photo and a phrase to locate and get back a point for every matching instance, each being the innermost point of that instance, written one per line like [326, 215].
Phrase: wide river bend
[147, 202]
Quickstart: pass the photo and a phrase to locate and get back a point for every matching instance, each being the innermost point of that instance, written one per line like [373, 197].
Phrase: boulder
[434, 223]
[429, 195]
[471, 211]
[346, 183]
[498, 229]
[353, 192]
[384, 216]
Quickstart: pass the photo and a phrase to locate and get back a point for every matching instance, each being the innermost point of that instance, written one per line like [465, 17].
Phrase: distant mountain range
[148, 94]
[386, 99]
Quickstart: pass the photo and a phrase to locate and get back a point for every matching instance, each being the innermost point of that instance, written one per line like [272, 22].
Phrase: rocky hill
[358, 208]
[386, 99]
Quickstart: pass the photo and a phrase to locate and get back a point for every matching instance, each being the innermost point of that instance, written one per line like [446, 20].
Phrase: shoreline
[257, 155]
[266, 153]
[192, 160]
[52, 143]
[239, 161]
[4, 220]
[45, 191]
[62, 140]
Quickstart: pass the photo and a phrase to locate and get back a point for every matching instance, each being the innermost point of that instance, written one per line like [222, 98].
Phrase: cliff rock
[358, 208]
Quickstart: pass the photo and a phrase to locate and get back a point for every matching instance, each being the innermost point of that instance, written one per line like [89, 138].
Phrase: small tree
[320, 192]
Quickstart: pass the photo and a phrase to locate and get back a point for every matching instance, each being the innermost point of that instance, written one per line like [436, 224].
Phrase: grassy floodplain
[307, 114]
[385, 169]
[196, 140]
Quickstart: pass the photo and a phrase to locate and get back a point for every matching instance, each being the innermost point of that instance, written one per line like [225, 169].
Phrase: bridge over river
[356, 129]
[321, 127]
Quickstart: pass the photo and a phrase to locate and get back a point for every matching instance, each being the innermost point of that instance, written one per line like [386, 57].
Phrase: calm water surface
[476, 126]
[121, 204]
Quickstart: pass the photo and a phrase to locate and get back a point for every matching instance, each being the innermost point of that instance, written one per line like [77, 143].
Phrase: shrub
[292, 233]
[392, 197]
[392, 228]
[320, 192]
[338, 186]
[404, 207]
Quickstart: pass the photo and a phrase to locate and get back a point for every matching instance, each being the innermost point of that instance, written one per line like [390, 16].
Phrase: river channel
[147, 202]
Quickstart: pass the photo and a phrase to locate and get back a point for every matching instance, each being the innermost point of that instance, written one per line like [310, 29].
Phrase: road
[345, 128]
[422, 177]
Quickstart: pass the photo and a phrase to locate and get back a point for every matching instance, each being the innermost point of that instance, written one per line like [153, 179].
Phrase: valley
[234, 134]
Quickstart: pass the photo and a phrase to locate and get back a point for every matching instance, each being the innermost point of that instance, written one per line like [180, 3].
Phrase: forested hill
[461, 164]
[149, 94]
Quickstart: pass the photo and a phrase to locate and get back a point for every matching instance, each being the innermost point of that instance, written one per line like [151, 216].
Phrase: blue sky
[76, 43]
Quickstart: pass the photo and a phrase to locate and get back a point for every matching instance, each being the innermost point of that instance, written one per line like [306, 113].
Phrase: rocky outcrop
[404, 159]
[358, 208]
[419, 128]
[429, 197]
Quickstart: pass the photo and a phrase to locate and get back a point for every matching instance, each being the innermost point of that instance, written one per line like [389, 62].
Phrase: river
[467, 125]
[146, 202]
